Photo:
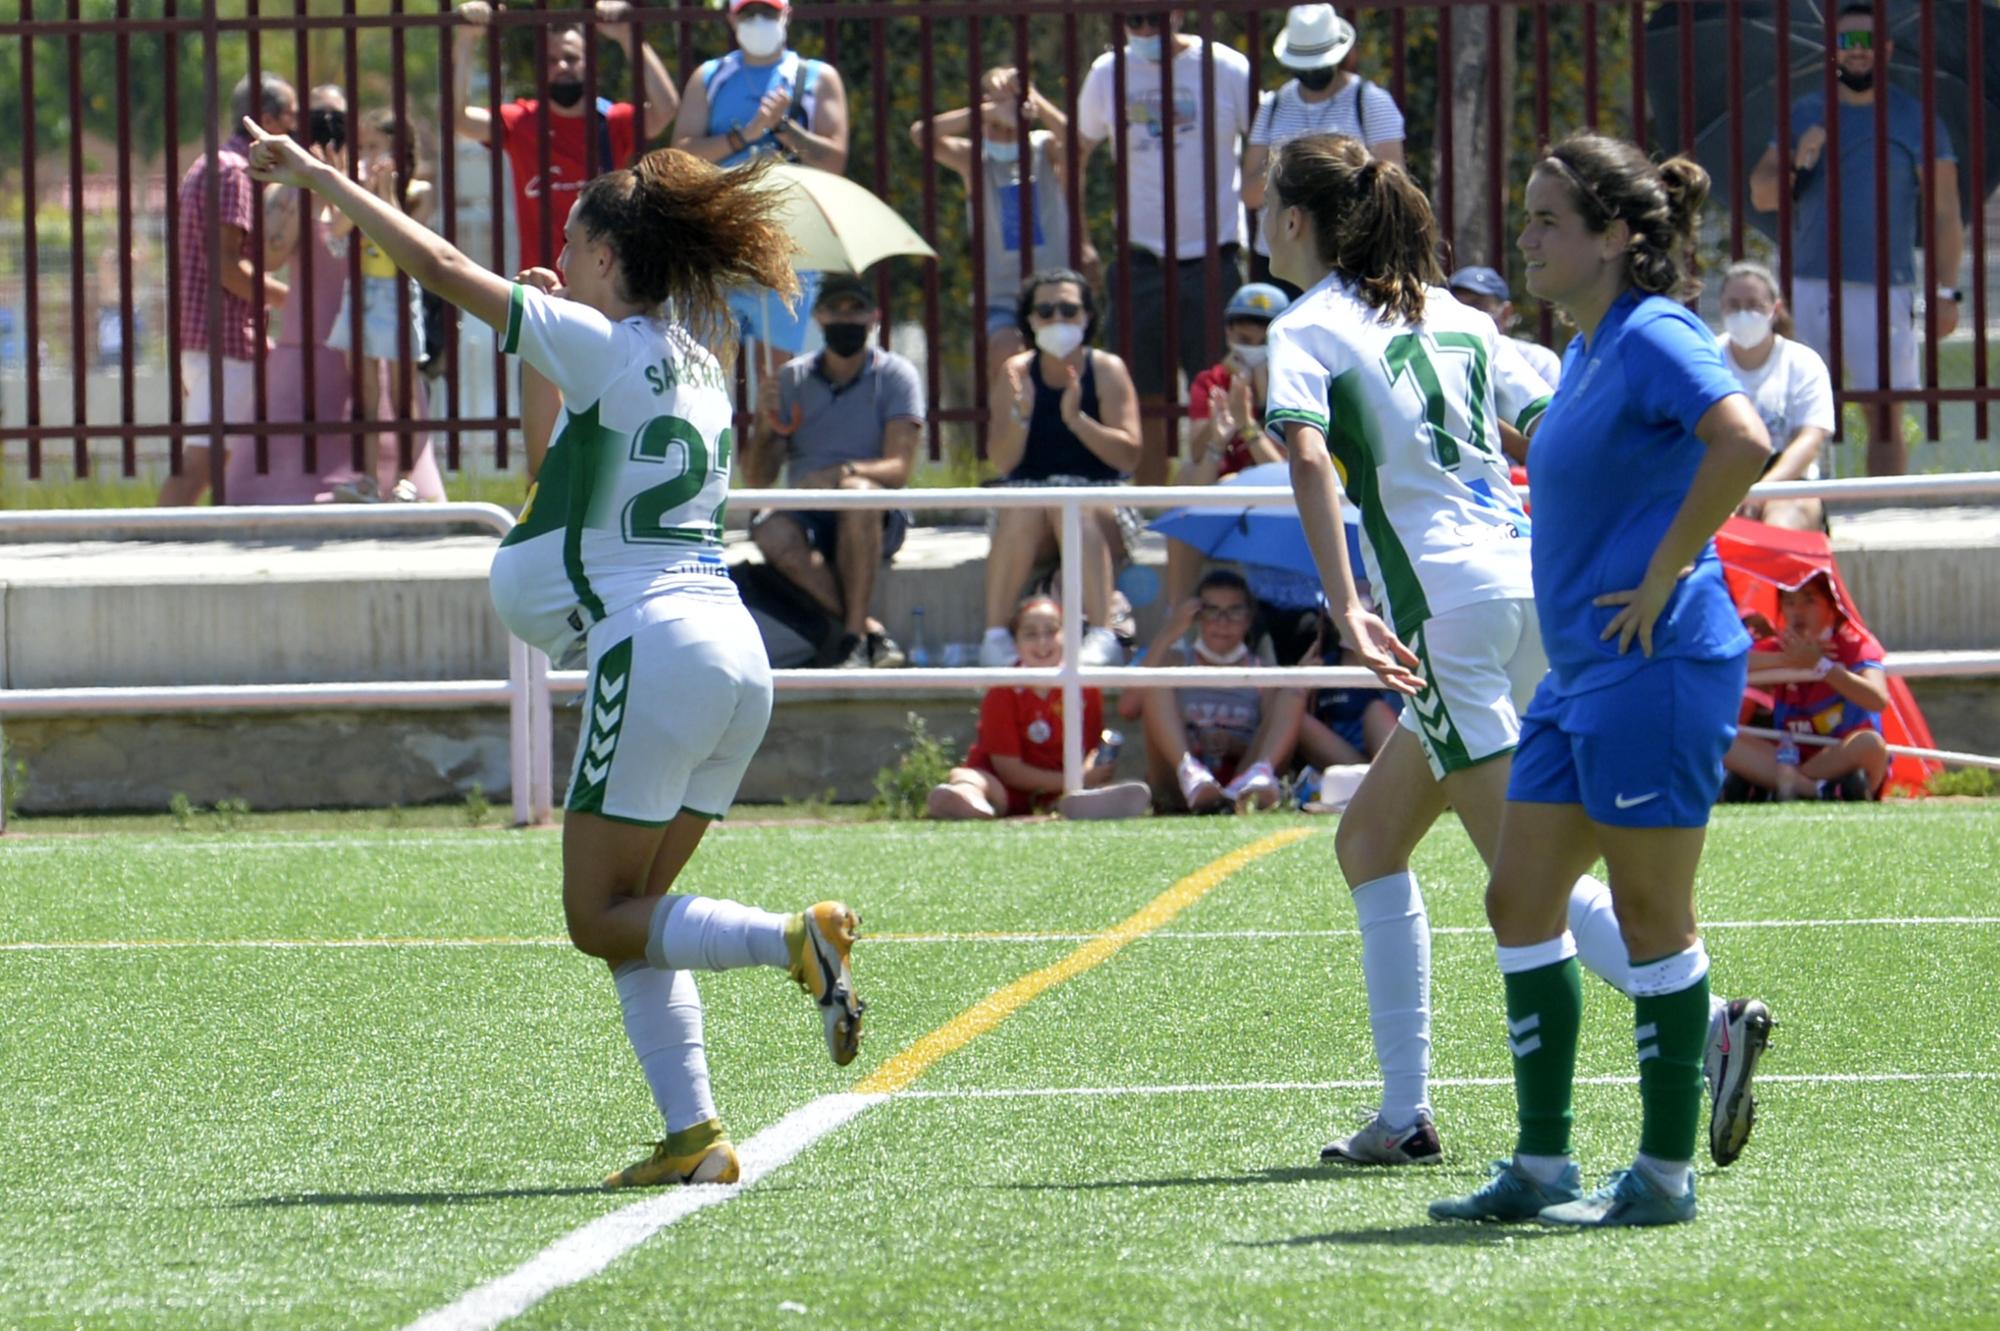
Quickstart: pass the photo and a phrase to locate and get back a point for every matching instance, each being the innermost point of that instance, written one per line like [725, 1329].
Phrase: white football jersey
[628, 503]
[1409, 414]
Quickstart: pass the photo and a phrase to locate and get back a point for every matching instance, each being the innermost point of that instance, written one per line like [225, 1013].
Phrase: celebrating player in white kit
[619, 548]
[1380, 379]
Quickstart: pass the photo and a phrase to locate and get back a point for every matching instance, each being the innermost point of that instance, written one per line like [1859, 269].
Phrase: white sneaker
[1199, 788]
[1123, 799]
[1101, 648]
[998, 650]
[1256, 788]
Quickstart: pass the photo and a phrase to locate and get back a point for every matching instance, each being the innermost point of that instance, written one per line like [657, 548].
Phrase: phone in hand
[327, 127]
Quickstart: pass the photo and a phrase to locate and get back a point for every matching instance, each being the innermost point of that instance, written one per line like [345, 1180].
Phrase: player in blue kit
[1647, 447]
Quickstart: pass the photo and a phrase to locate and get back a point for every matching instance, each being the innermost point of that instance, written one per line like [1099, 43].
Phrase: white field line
[1163, 936]
[583, 1252]
[1375, 1084]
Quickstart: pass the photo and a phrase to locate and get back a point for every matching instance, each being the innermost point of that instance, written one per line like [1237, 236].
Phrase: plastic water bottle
[1307, 789]
[1788, 752]
[920, 655]
[1109, 746]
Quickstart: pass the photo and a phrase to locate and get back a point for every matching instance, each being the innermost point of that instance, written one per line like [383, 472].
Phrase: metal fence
[115, 99]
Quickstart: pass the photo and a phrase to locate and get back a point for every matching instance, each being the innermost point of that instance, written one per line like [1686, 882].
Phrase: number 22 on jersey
[672, 511]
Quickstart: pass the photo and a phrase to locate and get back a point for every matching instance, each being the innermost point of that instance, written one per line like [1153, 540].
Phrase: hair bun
[1687, 184]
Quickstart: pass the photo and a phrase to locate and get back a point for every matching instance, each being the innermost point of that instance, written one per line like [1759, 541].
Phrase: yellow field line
[996, 1007]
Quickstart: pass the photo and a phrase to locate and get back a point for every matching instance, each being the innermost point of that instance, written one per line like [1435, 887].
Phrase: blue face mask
[1143, 48]
[1002, 152]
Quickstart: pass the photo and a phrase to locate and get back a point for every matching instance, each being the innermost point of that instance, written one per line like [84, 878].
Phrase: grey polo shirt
[846, 424]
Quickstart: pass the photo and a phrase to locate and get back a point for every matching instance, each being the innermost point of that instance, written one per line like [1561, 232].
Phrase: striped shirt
[198, 279]
[1285, 115]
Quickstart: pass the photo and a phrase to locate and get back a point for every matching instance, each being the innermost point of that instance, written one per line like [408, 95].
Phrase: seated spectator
[1788, 382]
[1064, 414]
[848, 418]
[1008, 177]
[765, 98]
[1486, 291]
[1210, 749]
[1015, 765]
[1321, 98]
[1844, 702]
[1344, 727]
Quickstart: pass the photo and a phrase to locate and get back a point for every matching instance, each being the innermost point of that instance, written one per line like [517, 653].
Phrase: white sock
[1543, 1169]
[704, 934]
[1673, 1176]
[663, 1022]
[1599, 945]
[1396, 964]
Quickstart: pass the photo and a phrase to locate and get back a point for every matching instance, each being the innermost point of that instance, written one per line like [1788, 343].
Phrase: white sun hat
[1314, 38]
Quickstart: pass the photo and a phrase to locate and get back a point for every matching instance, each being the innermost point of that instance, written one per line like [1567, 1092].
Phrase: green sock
[1544, 1014]
[1672, 1031]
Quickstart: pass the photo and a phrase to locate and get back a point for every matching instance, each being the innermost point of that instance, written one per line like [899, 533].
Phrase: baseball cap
[843, 286]
[783, 5]
[1256, 300]
[1480, 281]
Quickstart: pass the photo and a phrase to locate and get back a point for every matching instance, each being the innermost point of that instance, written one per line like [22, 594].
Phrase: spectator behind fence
[1225, 404]
[1485, 290]
[1788, 383]
[1844, 702]
[1862, 75]
[1063, 414]
[1321, 98]
[576, 144]
[761, 98]
[849, 418]
[226, 275]
[1015, 766]
[322, 271]
[1193, 132]
[388, 301]
[1211, 748]
[1005, 176]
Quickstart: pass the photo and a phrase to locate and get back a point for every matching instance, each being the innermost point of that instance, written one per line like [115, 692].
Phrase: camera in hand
[327, 126]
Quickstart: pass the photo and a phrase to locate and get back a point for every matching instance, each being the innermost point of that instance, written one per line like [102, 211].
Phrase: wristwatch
[735, 137]
[1952, 294]
[1824, 666]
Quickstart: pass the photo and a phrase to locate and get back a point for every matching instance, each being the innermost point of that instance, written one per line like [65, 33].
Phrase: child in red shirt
[1844, 702]
[1015, 764]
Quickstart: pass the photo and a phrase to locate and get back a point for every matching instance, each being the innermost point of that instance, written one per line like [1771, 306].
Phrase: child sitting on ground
[1843, 702]
[1015, 765]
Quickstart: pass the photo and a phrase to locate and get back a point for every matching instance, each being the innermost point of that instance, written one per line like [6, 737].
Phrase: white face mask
[996, 151]
[1059, 339]
[1249, 355]
[1747, 328]
[761, 37]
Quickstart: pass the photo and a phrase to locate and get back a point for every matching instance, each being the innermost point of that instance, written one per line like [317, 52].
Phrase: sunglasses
[1858, 40]
[1226, 613]
[1067, 309]
[1144, 21]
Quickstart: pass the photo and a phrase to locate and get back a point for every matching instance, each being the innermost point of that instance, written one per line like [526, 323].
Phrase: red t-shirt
[1018, 723]
[1236, 453]
[569, 167]
[1814, 708]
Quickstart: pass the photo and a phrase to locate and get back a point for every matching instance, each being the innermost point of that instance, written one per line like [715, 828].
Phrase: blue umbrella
[1271, 535]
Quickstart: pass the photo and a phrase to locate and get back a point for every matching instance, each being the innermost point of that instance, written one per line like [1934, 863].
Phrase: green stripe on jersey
[1358, 453]
[589, 443]
[1532, 413]
[510, 338]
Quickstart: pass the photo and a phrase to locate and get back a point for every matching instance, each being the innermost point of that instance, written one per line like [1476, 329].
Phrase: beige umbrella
[838, 226]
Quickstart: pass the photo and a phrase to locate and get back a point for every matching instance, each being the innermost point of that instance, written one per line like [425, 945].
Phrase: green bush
[1974, 781]
[901, 790]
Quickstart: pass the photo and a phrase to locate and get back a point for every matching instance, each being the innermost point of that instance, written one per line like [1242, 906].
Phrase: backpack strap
[1361, 87]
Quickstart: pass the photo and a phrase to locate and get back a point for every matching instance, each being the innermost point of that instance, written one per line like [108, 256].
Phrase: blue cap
[1256, 300]
[1480, 281]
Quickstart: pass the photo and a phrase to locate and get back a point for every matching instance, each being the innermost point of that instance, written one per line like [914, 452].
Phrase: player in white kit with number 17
[619, 547]
[1383, 385]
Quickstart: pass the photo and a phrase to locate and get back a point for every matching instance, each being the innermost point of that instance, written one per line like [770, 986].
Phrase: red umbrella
[1761, 561]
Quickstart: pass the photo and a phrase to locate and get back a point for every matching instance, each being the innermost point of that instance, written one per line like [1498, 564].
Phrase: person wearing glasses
[1194, 131]
[1063, 413]
[1216, 748]
[1862, 79]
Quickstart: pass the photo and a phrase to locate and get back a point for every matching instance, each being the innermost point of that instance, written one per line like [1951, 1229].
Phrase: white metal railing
[531, 684]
